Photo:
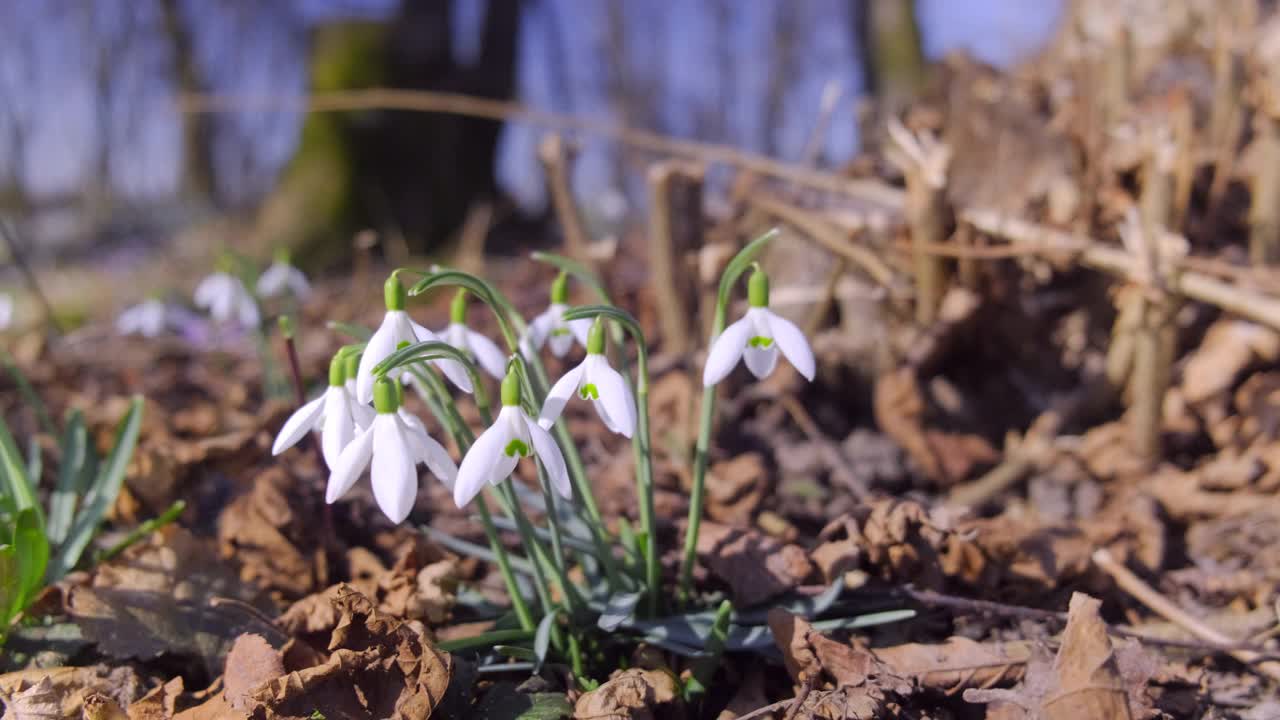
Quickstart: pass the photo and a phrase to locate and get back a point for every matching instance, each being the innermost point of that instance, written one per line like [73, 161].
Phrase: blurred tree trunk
[199, 181]
[891, 54]
[411, 175]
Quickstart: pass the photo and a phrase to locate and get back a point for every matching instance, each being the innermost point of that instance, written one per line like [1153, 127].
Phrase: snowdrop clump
[282, 277]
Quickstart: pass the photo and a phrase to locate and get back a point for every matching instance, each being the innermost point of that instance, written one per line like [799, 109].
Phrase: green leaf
[516, 652]
[33, 557]
[10, 586]
[503, 700]
[485, 640]
[102, 494]
[620, 608]
[14, 473]
[72, 478]
[542, 639]
[35, 461]
[704, 668]
[28, 393]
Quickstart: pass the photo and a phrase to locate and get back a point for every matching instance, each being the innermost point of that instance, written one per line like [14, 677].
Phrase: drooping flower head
[757, 339]
[396, 328]
[335, 414]
[392, 449]
[476, 346]
[496, 452]
[551, 328]
[226, 298]
[593, 379]
[148, 318]
[283, 277]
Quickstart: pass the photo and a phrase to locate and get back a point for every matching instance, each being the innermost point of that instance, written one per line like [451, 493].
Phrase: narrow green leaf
[14, 471]
[102, 494]
[33, 557]
[542, 639]
[71, 477]
[620, 609]
[704, 669]
[35, 461]
[10, 586]
[143, 530]
[516, 652]
[485, 640]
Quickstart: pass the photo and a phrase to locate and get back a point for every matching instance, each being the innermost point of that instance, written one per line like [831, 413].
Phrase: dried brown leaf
[379, 667]
[70, 685]
[633, 694]
[271, 533]
[251, 662]
[735, 488]
[40, 701]
[159, 704]
[756, 567]
[155, 597]
[1229, 346]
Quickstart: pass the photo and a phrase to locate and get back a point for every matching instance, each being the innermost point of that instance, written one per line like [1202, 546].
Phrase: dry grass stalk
[837, 240]
[924, 161]
[557, 159]
[675, 233]
[1166, 608]
[1264, 210]
[1227, 296]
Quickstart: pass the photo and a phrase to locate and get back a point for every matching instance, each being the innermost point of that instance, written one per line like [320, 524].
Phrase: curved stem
[706, 419]
[640, 443]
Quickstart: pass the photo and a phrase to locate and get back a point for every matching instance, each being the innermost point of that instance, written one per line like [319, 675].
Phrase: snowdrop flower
[594, 380]
[757, 338]
[335, 415]
[281, 276]
[392, 448]
[6, 311]
[551, 328]
[227, 299]
[496, 452]
[397, 327]
[480, 348]
[146, 318]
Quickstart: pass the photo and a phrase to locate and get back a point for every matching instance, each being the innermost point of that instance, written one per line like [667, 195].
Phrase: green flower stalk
[706, 418]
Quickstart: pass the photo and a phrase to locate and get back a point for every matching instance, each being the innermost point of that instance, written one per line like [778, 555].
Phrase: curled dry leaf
[379, 667]
[159, 704]
[29, 692]
[899, 541]
[756, 567]
[634, 694]
[266, 530]
[1229, 347]
[899, 670]
[1088, 678]
[945, 458]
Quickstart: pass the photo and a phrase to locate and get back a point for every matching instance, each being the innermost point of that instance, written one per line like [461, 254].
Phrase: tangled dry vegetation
[1046, 418]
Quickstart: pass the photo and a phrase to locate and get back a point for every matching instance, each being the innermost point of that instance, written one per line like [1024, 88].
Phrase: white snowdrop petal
[791, 341]
[560, 340]
[6, 311]
[614, 396]
[437, 460]
[339, 429]
[395, 481]
[207, 290]
[760, 361]
[549, 453]
[488, 356]
[457, 374]
[299, 423]
[559, 395]
[363, 415]
[353, 460]
[580, 328]
[298, 283]
[478, 463]
[725, 351]
[382, 344]
[247, 310]
[272, 280]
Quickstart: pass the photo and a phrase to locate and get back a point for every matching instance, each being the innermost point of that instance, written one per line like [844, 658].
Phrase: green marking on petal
[516, 448]
[760, 341]
[589, 392]
[559, 331]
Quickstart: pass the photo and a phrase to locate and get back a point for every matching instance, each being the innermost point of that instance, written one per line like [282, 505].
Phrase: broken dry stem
[1264, 210]
[1165, 607]
[556, 158]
